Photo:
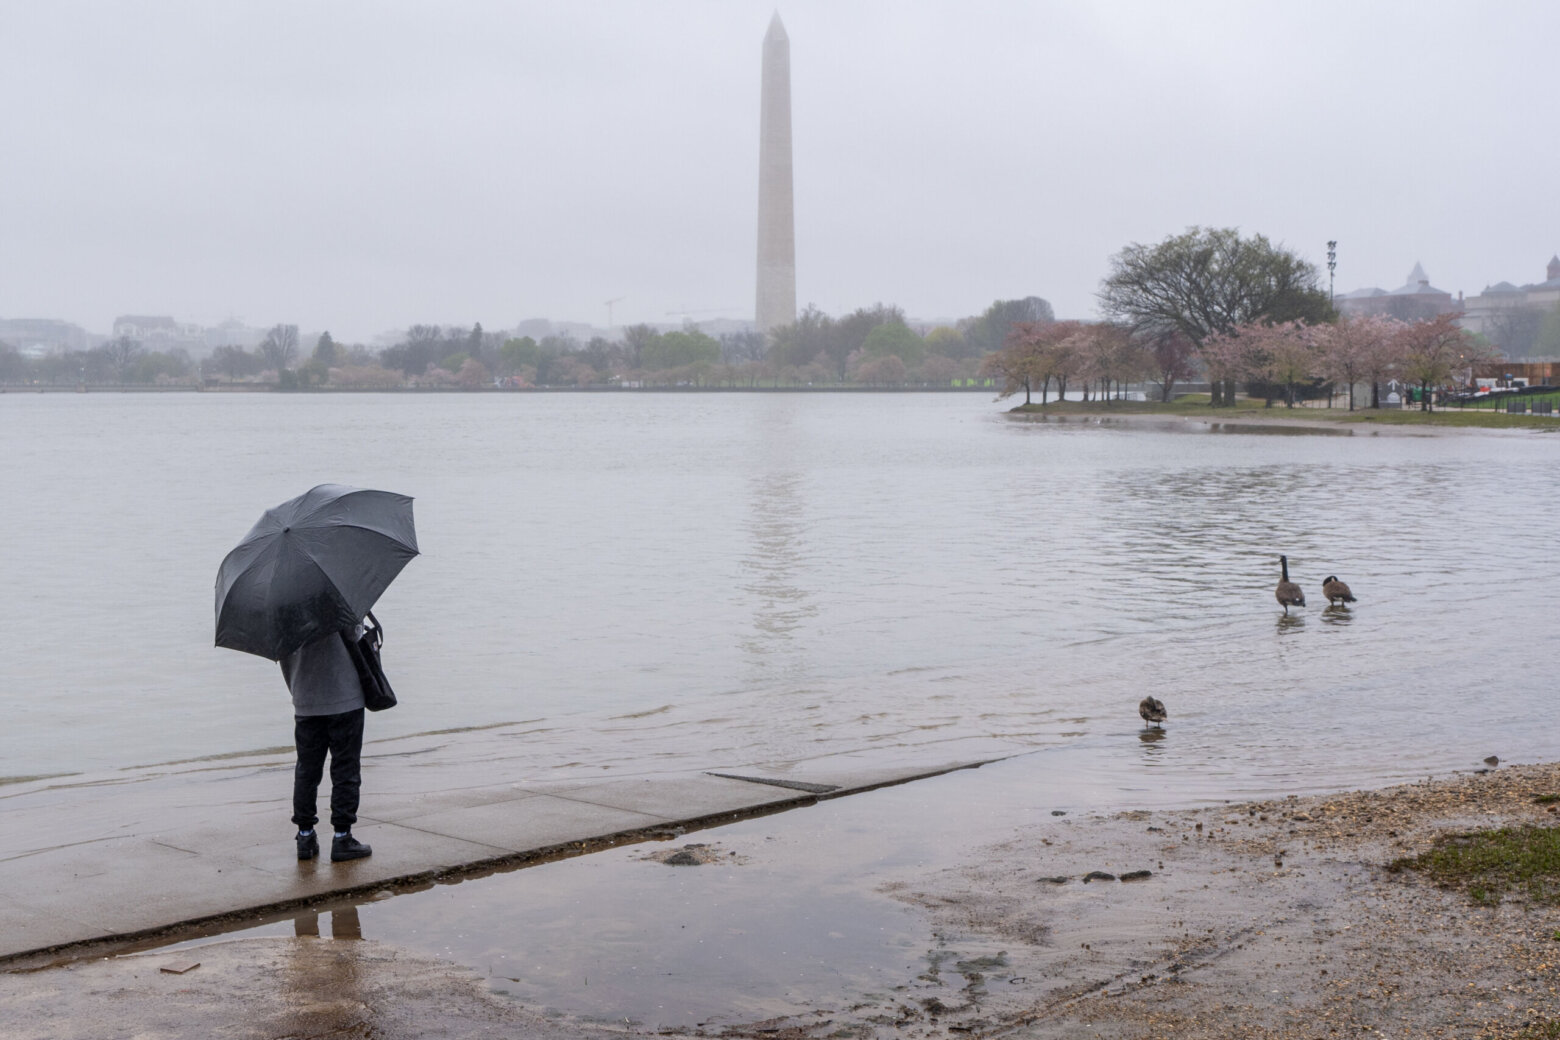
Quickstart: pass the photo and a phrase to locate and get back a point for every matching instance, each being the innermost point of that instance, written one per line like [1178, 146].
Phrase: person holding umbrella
[295, 590]
[328, 715]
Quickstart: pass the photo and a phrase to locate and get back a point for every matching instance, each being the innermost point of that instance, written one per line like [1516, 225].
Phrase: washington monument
[776, 221]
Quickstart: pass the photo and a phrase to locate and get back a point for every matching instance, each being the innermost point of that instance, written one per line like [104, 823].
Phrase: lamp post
[1332, 265]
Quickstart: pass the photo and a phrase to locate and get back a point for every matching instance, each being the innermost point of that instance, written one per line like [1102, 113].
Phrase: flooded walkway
[131, 854]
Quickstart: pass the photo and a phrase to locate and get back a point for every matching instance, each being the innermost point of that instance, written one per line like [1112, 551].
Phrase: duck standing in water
[1288, 593]
[1153, 710]
[1336, 591]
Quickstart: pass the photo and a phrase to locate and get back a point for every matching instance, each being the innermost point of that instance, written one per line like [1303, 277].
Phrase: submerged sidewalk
[128, 854]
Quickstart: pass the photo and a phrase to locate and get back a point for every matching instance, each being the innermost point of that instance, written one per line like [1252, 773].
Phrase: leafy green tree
[452, 363]
[234, 361]
[1208, 281]
[737, 348]
[679, 349]
[894, 339]
[326, 352]
[990, 331]
[516, 354]
[850, 333]
[800, 342]
[947, 342]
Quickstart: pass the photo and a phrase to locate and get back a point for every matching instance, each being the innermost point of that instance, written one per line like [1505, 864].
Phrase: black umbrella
[312, 566]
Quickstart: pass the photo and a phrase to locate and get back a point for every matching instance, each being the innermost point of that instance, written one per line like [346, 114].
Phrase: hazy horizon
[360, 167]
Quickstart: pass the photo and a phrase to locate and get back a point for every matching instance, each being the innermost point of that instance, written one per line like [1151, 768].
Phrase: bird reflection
[1290, 623]
[1337, 615]
[1151, 735]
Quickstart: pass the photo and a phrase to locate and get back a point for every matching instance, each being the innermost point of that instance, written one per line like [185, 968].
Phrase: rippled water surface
[674, 581]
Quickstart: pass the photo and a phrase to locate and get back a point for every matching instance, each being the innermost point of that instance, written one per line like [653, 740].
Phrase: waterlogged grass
[1490, 865]
[1455, 417]
[1197, 404]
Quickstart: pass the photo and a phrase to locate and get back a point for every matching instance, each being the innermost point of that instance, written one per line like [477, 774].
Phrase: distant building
[160, 333]
[39, 336]
[1414, 300]
[1508, 312]
[233, 333]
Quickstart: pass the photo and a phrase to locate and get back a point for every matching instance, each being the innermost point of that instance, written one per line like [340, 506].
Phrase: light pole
[1332, 265]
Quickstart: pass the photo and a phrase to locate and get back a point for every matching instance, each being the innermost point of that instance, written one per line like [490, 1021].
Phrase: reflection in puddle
[1337, 615]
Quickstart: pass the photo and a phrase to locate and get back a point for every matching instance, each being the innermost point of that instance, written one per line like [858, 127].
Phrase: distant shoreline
[241, 388]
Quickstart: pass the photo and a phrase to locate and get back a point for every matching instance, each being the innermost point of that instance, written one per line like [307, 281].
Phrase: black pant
[342, 736]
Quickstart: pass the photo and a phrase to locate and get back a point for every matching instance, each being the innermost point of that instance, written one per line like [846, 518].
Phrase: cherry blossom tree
[1435, 351]
[1031, 357]
[1359, 348]
[1172, 353]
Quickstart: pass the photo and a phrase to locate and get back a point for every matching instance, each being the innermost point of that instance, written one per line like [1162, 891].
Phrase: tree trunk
[1026, 393]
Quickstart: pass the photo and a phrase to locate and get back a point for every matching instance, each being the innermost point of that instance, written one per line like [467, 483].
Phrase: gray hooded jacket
[321, 677]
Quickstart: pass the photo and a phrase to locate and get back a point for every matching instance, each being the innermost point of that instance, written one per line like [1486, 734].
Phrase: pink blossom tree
[1360, 348]
[1435, 351]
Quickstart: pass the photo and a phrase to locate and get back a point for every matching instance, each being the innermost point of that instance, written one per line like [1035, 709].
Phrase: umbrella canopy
[312, 566]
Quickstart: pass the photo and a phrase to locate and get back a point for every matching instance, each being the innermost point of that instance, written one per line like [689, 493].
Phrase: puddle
[770, 916]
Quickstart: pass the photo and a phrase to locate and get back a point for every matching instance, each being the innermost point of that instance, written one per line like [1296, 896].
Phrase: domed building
[1414, 300]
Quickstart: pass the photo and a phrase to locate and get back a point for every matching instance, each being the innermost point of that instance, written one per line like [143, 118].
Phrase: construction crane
[609, 303]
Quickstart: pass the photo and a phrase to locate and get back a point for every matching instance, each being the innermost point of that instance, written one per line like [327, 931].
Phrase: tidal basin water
[651, 582]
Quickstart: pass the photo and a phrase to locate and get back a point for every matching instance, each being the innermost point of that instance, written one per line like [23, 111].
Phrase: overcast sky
[362, 166]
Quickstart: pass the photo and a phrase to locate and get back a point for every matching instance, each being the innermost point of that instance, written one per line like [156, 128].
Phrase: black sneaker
[347, 847]
[308, 845]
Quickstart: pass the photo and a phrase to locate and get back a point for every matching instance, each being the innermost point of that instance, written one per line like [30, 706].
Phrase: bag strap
[379, 630]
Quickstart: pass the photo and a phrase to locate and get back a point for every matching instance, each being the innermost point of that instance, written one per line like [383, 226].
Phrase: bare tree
[122, 352]
[280, 346]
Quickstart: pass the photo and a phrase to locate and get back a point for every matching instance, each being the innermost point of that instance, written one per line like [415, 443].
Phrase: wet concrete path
[129, 854]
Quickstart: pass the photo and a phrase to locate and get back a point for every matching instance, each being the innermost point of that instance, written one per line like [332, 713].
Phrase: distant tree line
[871, 346]
[1238, 311]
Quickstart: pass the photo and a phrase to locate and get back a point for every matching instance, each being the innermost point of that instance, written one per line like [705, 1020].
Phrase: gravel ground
[1275, 919]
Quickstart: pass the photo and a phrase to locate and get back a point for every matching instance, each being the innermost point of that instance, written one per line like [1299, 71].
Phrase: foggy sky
[360, 166]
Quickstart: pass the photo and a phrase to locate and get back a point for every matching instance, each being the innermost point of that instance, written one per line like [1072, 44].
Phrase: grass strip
[1490, 865]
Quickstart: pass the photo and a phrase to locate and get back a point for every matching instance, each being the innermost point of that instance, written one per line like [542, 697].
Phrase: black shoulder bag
[364, 651]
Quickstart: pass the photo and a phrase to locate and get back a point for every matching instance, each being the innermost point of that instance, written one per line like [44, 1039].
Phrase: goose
[1288, 593]
[1152, 709]
[1336, 590]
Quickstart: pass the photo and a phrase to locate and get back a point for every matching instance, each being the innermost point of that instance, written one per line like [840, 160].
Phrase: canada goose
[1336, 590]
[1288, 593]
[1152, 709]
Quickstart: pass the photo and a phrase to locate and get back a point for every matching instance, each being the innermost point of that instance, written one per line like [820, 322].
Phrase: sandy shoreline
[1272, 919]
